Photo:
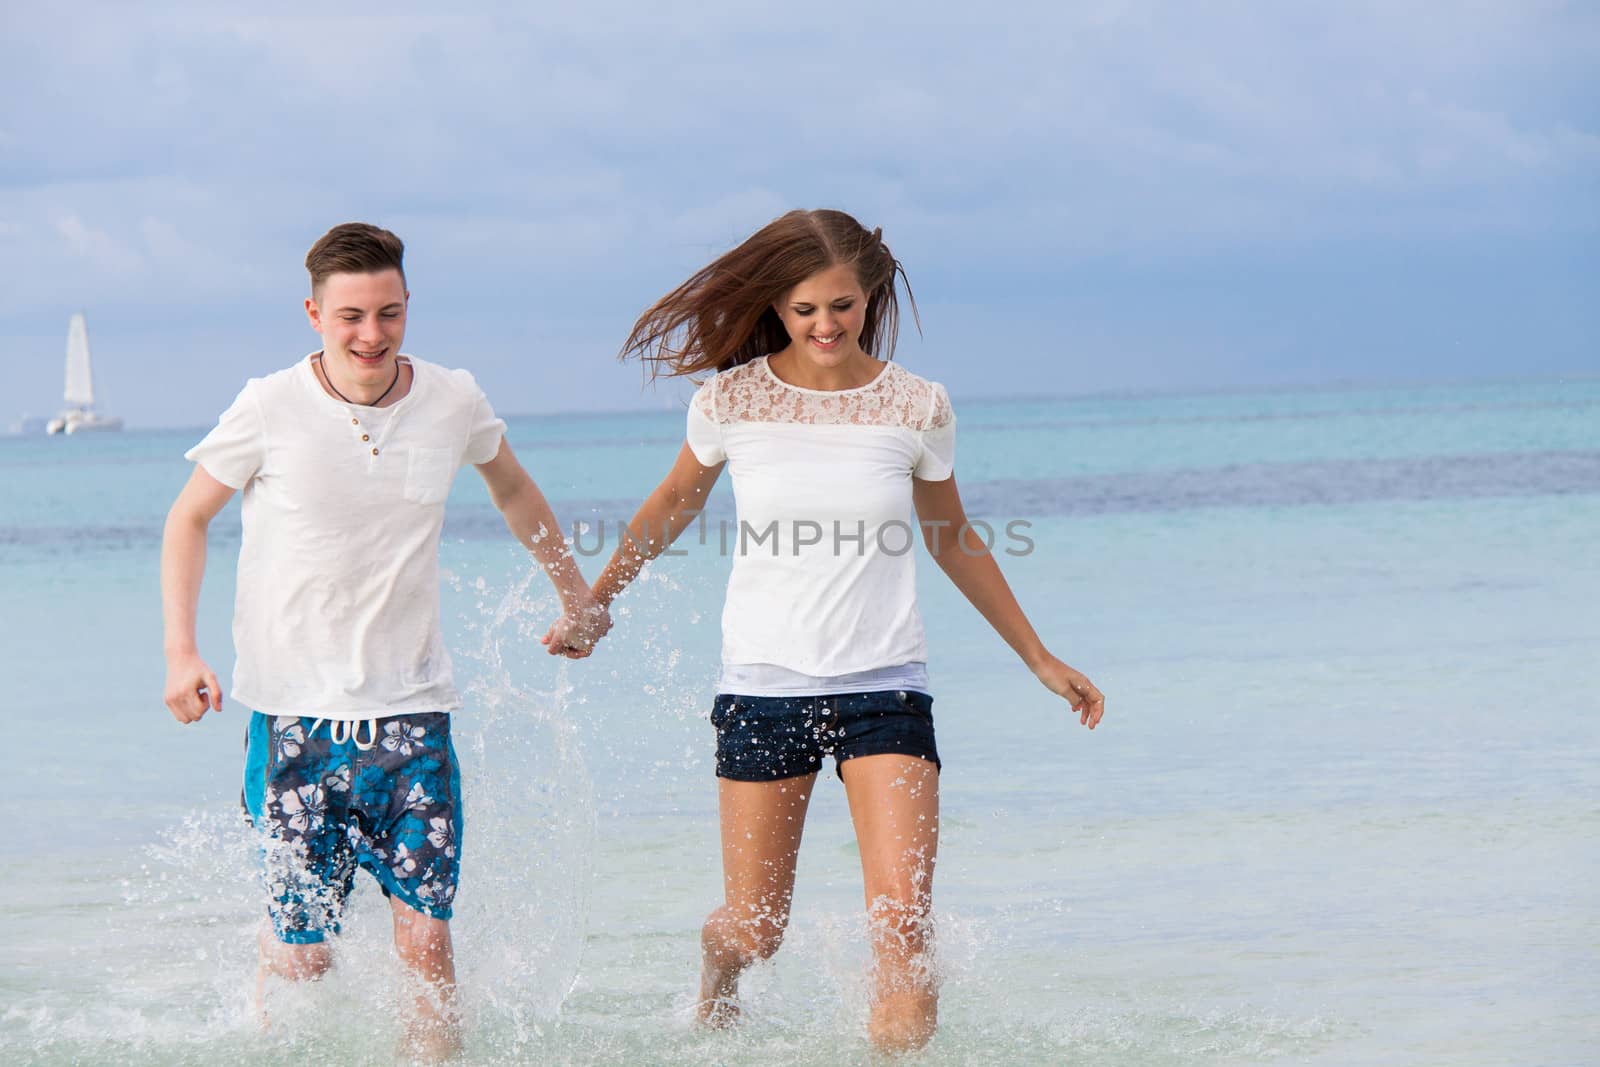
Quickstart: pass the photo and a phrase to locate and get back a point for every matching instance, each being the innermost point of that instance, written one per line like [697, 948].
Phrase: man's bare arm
[191, 687]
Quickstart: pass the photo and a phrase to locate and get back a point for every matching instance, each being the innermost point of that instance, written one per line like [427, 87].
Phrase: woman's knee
[903, 923]
[752, 936]
[768, 938]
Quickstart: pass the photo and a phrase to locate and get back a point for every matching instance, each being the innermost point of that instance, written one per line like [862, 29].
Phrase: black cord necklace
[329, 379]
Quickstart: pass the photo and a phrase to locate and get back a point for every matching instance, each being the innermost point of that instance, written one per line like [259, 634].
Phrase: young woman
[830, 449]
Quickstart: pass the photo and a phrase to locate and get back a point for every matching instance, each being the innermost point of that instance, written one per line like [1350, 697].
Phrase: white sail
[80, 381]
[79, 414]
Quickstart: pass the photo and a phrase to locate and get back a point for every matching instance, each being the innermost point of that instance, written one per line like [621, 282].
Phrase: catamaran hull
[78, 424]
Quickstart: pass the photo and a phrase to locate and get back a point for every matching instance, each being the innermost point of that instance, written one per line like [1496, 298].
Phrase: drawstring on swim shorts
[351, 731]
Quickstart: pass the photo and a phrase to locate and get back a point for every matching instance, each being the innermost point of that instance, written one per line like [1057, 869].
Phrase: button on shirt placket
[364, 436]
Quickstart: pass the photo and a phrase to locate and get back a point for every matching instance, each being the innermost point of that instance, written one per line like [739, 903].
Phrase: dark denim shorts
[763, 739]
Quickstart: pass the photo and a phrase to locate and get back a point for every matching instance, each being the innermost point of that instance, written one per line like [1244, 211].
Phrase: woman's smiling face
[825, 315]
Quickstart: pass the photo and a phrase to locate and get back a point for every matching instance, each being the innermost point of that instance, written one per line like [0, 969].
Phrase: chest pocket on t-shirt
[428, 475]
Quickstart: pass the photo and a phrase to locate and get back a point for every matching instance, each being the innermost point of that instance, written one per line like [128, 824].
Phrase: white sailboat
[79, 415]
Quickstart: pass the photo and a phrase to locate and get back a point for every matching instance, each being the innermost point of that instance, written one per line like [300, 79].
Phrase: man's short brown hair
[354, 248]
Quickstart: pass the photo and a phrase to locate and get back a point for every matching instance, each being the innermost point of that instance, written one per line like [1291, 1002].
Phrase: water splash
[166, 971]
[528, 857]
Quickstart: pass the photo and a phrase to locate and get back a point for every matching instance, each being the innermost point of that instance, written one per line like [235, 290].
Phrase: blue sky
[1089, 197]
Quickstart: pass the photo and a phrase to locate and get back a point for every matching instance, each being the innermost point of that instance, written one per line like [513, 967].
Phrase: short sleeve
[483, 438]
[235, 449]
[938, 459]
[704, 433]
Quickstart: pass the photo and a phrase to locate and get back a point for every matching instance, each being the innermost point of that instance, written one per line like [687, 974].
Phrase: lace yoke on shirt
[752, 393]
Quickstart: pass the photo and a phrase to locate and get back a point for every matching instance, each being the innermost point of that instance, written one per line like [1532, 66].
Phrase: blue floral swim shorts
[328, 797]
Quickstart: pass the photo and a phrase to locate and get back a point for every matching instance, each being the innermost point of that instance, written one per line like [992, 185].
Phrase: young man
[345, 460]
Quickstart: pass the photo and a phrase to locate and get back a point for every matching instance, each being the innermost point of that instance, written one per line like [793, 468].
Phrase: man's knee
[428, 935]
[421, 940]
[299, 963]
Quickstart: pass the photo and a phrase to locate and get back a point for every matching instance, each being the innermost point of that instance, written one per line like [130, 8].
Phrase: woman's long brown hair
[723, 315]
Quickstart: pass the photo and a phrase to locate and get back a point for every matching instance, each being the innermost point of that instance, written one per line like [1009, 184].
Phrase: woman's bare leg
[894, 803]
[761, 826]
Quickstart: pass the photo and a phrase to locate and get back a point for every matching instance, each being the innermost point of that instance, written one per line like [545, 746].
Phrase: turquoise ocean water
[1343, 808]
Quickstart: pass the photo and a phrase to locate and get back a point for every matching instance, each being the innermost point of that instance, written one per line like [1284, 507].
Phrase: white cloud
[96, 249]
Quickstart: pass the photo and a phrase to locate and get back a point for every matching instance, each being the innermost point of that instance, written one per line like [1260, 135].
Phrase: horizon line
[1329, 386]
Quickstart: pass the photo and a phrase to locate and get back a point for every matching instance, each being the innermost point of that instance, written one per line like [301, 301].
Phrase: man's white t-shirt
[824, 575]
[337, 608]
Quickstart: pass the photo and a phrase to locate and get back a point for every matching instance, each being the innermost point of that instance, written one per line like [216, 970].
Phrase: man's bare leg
[433, 1032]
[296, 963]
[761, 827]
[894, 803]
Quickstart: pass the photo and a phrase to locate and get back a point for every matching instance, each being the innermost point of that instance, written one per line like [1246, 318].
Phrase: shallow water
[1344, 807]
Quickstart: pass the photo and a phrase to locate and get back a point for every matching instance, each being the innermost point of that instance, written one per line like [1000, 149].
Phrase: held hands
[1079, 692]
[192, 688]
[575, 634]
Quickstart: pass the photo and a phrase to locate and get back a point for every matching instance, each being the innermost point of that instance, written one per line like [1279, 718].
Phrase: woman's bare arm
[665, 513]
[964, 557]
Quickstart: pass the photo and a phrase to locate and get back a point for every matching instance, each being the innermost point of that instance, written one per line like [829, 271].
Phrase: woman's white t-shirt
[336, 612]
[824, 577]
